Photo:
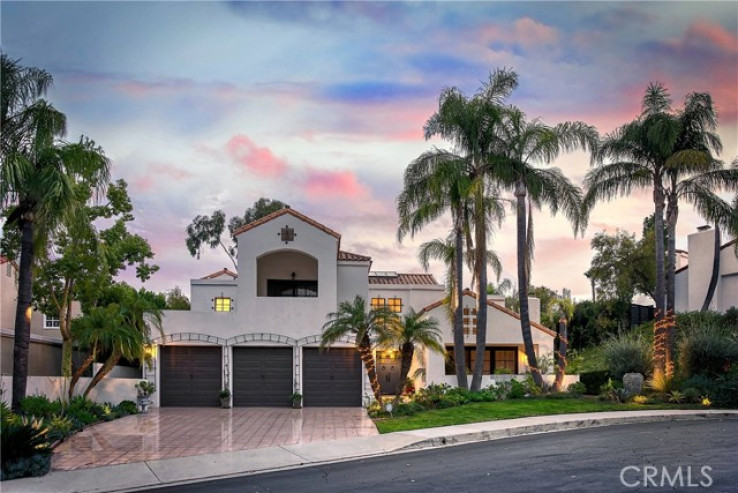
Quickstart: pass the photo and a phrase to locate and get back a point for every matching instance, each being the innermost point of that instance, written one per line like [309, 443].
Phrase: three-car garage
[262, 376]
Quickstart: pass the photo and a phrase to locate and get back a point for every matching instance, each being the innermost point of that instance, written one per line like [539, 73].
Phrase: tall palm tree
[365, 327]
[671, 155]
[520, 145]
[411, 332]
[470, 125]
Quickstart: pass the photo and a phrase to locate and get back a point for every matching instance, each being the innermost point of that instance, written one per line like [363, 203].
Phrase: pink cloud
[258, 160]
[156, 173]
[524, 32]
[702, 31]
[319, 184]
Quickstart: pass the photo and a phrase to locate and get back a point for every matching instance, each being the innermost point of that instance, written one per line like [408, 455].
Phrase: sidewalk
[131, 477]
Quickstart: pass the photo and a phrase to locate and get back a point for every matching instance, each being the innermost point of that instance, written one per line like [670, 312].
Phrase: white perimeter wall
[113, 390]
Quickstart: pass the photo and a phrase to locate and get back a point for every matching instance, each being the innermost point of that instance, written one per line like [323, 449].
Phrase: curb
[569, 425]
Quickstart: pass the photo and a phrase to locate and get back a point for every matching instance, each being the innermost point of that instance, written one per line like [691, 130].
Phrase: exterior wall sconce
[293, 276]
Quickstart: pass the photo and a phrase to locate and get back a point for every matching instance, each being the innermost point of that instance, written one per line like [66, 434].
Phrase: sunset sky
[204, 105]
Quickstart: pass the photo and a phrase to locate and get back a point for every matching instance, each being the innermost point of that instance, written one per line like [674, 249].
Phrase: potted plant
[296, 399]
[145, 389]
[225, 398]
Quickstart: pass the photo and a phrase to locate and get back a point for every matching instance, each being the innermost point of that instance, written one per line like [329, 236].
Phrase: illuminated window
[506, 358]
[51, 322]
[378, 303]
[395, 305]
[222, 304]
[494, 357]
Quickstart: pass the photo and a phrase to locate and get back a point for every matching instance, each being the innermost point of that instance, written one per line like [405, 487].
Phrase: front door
[388, 371]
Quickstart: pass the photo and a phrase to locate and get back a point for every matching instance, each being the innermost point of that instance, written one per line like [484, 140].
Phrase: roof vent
[706, 227]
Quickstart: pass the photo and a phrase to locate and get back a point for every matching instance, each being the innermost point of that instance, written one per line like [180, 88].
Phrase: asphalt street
[669, 456]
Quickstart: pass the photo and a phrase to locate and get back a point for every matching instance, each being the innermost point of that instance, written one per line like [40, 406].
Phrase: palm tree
[365, 327]
[37, 186]
[671, 155]
[519, 145]
[411, 332]
[470, 124]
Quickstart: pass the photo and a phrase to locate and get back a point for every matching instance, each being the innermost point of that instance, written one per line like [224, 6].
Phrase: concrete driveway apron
[165, 433]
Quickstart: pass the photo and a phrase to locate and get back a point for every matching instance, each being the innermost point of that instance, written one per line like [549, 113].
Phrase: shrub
[639, 399]
[613, 391]
[124, 408]
[25, 448]
[503, 371]
[627, 353]
[703, 384]
[576, 388]
[431, 395]
[517, 390]
[726, 389]
[676, 397]
[593, 380]
[692, 394]
[59, 427]
[530, 386]
[81, 417]
[661, 383]
[40, 406]
[708, 348]
[374, 409]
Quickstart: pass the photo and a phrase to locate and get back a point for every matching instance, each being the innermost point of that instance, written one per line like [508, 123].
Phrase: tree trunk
[78, 373]
[23, 315]
[561, 355]
[660, 329]
[522, 241]
[715, 272]
[407, 352]
[367, 357]
[65, 329]
[459, 352]
[672, 215]
[102, 372]
[480, 267]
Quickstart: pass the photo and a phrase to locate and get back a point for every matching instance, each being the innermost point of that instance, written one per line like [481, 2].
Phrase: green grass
[510, 408]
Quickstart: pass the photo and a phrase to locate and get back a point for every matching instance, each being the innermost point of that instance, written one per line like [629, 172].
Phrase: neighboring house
[708, 265]
[44, 357]
[257, 332]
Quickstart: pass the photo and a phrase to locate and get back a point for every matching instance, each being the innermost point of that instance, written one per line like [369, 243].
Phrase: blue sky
[205, 105]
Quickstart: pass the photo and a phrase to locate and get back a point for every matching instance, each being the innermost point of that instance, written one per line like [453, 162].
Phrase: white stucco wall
[417, 297]
[352, 280]
[204, 291]
[681, 291]
[113, 390]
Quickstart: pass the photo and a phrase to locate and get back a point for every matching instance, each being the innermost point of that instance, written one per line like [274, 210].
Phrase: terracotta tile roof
[499, 308]
[222, 272]
[282, 212]
[353, 257]
[379, 277]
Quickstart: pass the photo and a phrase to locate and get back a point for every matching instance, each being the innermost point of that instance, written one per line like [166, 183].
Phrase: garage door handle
[263, 377]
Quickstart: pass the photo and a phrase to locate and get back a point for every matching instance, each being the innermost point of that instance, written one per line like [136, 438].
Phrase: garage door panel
[190, 375]
[262, 376]
[331, 378]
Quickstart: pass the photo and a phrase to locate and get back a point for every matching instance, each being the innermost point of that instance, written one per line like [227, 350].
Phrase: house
[257, 332]
[711, 273]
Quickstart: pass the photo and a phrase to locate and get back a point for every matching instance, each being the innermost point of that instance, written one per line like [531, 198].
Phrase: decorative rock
[633, 383]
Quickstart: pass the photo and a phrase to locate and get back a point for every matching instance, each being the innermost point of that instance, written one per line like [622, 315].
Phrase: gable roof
[282, 212]
[379, 278]
[223, 272]
[352, 257]
[492, 304]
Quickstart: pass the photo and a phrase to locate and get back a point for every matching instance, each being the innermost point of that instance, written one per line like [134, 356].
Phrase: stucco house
[257, 332]
[708, 264]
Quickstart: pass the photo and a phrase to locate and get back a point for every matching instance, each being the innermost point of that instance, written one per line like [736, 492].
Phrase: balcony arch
[287, 273]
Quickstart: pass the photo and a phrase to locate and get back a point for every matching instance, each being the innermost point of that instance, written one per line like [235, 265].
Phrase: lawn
[511, 408]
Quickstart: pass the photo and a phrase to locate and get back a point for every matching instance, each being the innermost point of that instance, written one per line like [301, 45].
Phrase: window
[395, 305]
[51, 322]
[222, 304]
[470, 321]
[493, 358]
[378, 303]
[288, 288]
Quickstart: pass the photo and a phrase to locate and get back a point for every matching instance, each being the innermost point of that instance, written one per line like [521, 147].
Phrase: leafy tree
[408, 334]
[208, 230]
[519, 145]
[38, 178]
[352, 320]
[177, 300]
[82, 259]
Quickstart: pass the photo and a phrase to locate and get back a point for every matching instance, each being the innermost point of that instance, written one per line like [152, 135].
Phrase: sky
[209, 105]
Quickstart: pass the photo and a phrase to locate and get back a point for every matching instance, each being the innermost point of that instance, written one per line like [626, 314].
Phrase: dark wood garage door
[262, 376]
[332, 377]
[190, 375]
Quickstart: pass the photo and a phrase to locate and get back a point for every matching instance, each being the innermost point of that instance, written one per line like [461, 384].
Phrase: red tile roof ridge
[221, 272]
[282, 212]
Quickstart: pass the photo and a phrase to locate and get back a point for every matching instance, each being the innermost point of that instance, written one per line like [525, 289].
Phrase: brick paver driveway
[178, 432]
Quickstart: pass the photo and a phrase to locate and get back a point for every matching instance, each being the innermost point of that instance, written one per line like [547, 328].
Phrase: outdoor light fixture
[292, 276]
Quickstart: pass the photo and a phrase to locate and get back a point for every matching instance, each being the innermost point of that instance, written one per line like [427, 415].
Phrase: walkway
[166, 433]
